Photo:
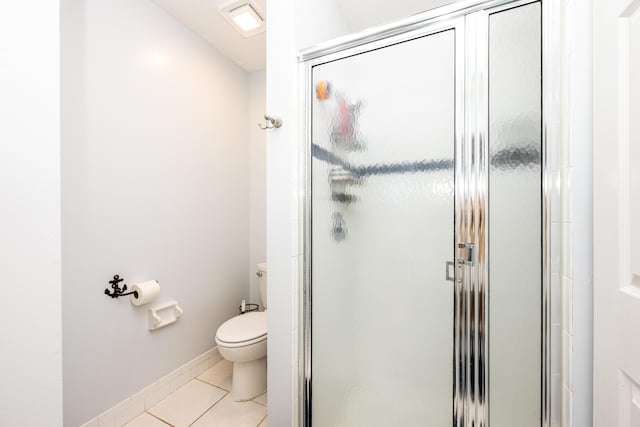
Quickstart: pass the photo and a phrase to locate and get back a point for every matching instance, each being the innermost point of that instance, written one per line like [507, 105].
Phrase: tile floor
[205, 402]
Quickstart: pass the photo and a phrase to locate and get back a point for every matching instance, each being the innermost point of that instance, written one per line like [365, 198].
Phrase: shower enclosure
[425, 294]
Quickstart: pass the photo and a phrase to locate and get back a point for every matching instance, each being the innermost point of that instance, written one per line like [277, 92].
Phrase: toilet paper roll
[147, 292]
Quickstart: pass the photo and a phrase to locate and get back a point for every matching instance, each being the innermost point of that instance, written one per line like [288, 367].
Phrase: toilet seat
[239, 344]
[243, 330]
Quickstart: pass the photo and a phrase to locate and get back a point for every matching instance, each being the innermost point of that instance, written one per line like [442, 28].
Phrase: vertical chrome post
[476, 167]
[465, 190]
[481, 174]
[550, 137]
[305, 303]
[461, 194]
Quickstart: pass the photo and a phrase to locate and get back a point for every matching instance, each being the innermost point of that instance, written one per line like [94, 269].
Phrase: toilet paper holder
[117, 291]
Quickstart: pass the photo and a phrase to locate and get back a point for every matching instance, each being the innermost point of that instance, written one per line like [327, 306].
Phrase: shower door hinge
[465, 253]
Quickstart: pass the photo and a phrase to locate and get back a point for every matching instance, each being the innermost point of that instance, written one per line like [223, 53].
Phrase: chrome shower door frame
[393, 36]
[469, 20]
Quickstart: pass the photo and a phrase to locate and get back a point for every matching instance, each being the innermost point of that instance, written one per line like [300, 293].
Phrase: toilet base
[249, 379]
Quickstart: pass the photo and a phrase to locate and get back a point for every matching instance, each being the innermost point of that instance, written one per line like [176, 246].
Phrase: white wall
[257, 180]
[575, 177]
[155, 185]
[31, 368]
[290, 27]
[281, 97]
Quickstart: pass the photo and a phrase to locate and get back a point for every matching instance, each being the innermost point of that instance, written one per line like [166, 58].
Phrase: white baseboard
[135, 405]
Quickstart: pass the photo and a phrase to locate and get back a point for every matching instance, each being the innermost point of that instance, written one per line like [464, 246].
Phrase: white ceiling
[203, 17]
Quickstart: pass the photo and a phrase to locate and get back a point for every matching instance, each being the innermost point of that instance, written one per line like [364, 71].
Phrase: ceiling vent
[245, 16]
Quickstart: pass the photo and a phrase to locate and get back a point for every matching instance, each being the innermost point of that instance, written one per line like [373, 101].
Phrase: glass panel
[515, 253]
[382, 232]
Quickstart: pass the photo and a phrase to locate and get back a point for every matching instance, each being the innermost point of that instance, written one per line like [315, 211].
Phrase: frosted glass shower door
[515, 216]
[382, 232]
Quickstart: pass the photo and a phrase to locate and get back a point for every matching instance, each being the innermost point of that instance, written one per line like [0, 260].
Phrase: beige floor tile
[265, 422]
[145, 420]
[186, 404]
[262, 399]
[219, 375]
[228, 413]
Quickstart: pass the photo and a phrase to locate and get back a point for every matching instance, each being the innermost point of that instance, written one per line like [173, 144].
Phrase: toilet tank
[262, 282]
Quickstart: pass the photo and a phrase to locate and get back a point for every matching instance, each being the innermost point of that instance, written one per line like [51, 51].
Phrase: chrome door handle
[465, 253]
[451, 277]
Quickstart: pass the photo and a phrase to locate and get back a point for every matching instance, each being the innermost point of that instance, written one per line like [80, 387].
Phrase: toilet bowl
[243, 341]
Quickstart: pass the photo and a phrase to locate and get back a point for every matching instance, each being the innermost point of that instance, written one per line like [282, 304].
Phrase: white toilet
[243, 341]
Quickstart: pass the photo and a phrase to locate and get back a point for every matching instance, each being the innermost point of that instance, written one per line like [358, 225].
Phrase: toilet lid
[244, 327]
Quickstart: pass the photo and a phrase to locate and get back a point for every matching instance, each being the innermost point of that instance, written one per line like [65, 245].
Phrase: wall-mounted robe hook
[117, 292]
[271, 122]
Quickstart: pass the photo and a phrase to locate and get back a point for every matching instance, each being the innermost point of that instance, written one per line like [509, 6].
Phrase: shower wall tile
[282, 206]
[556, 342]
[556, 400]
[556, 198]
[566, 181]
[556, 247]
[554, 157]
[567, 249]
[300, 237]
[295, 211]
[296, 276]
[560, 215]
[295, 238]
[565, 150]
[567, 347]
[567, 312]
[297, 267]
[567, 407]
[576, 194]
[556, 299]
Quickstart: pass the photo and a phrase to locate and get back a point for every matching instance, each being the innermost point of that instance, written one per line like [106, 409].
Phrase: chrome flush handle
[465, 253]
[450, 276]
